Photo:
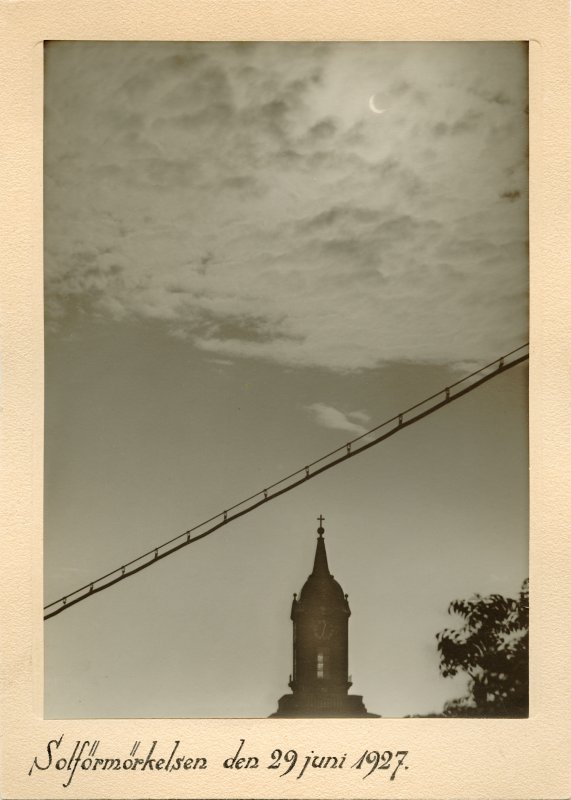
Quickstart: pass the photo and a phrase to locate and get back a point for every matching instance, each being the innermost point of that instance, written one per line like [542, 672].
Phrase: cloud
[330, 417]
[222, 362]
[248, 199]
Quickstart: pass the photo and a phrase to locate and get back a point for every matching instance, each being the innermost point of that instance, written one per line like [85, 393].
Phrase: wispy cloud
[247, 197]
[330, 417]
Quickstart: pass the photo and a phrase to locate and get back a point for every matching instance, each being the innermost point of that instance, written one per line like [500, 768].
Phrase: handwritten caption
[86, 756]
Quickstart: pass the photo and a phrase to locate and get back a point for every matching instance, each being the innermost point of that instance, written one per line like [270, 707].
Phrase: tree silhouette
[492, 648]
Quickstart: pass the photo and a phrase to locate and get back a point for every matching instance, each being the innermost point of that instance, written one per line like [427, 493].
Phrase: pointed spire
[320, 566]
[320, 589]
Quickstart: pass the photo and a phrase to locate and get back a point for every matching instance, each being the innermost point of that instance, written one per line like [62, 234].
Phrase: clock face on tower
[323, 629]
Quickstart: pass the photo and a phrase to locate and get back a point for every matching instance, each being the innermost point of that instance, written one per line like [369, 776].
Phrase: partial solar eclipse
[375, 109]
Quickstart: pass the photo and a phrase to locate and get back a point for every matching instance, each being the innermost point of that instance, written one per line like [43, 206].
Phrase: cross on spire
[321, 529]
[321, 519]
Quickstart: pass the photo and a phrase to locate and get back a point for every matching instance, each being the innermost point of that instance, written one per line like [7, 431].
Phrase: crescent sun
[373, 107]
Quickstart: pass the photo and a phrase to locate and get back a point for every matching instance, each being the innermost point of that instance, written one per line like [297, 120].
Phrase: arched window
[320, 665]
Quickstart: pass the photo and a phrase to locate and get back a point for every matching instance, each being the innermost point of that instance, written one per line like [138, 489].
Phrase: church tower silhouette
[320, 682]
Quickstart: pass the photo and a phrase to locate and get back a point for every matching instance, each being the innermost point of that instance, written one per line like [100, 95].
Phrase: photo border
[449, 758]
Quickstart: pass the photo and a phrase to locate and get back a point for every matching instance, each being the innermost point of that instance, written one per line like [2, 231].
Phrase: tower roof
[321, 589]
[320, 565]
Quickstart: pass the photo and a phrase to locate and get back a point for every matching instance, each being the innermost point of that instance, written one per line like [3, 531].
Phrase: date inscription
[369, 762]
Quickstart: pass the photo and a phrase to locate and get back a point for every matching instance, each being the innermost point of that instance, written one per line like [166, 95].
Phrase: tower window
[320, 665]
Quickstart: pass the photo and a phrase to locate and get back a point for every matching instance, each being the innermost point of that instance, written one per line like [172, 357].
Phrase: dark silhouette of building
[320, 681]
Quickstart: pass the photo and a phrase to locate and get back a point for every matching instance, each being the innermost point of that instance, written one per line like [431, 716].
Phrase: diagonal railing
[352, 448]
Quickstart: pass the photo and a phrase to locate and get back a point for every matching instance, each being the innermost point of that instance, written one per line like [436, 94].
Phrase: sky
[246, 266]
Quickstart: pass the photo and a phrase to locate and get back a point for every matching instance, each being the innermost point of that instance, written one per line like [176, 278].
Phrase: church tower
[320, 682]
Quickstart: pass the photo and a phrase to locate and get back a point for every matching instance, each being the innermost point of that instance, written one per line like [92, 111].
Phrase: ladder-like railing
[349, 450]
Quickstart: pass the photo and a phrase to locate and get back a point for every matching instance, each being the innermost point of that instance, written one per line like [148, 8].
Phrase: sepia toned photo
[286, 460]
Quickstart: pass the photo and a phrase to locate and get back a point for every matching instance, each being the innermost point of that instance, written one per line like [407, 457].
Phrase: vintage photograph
[286, 379]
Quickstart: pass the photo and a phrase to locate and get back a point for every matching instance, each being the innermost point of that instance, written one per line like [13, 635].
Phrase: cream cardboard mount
[264, 758]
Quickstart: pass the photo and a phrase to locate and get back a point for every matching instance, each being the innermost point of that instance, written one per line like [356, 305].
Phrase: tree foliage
[492, 647]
